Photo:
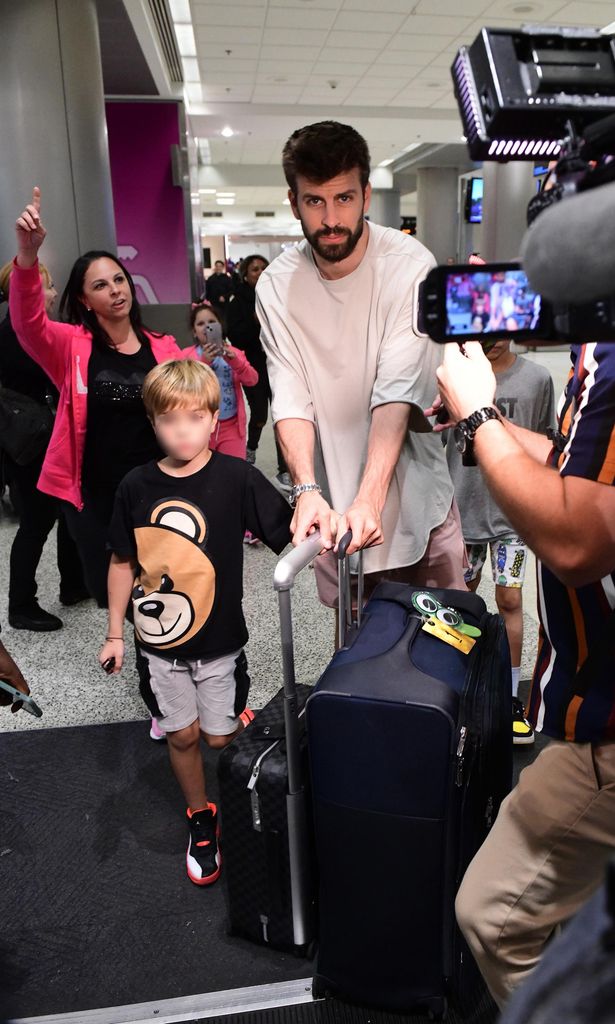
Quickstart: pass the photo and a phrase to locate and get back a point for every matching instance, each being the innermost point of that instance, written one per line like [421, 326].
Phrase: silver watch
[300, 489]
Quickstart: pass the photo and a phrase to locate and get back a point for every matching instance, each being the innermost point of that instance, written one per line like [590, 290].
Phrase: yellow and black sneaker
[522, 731]
[203, 858]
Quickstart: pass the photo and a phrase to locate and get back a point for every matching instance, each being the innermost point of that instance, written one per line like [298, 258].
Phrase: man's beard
[340, 251]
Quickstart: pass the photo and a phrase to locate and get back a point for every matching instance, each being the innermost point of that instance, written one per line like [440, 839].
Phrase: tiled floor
[63, 671]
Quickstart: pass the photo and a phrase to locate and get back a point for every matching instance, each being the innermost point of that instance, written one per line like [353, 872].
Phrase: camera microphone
[568, 252]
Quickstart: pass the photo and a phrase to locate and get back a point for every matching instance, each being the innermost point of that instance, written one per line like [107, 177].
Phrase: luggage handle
[344, 590]
[285, 573]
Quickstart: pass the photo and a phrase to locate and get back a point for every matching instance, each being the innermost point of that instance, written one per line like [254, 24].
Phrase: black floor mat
[95, 904]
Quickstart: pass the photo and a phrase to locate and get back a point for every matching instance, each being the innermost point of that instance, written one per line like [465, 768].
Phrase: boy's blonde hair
[7, 270]
[180, 384]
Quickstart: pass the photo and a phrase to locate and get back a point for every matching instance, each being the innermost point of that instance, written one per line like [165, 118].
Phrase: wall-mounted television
[474, 201]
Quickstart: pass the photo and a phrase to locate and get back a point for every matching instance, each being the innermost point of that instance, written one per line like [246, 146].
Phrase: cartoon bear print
[174, 593]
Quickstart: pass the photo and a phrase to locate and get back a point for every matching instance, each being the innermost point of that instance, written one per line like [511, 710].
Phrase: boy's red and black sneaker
[203, 859]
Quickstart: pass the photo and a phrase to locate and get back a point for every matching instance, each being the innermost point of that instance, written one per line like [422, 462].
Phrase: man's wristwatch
[466, 429]
[300, 489]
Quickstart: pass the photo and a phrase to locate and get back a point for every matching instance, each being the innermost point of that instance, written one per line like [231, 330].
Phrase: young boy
[524, 394]
[176, 538]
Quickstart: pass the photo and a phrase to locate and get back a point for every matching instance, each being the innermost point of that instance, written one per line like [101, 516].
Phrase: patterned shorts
[508, 560]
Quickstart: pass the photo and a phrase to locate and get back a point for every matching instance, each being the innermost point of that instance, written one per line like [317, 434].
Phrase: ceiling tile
[227, 77]
[227, 64]
[287, 36]
[305, 53]
[370, 98]
[395, 71]
[594, 15]
[217, 49]
[326, 5]
[283, 66]
[299, 18]
[416, 43]
[395, 6]
[228, 35]
[229, 14]
[408, 58]
[359, 40]
[355, 21]
[421, 24]
[336, 69]
[346, 55]
[541, 9]
[471, 8]
[283, 94]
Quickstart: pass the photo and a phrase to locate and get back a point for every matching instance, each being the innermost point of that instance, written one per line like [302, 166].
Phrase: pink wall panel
[149, 209]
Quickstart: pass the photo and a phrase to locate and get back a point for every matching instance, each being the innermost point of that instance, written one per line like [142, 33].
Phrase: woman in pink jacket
[97, 361]
[233, 370]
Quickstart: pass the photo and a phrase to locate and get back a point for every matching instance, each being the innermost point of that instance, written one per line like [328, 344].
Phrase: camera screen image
[480, 302]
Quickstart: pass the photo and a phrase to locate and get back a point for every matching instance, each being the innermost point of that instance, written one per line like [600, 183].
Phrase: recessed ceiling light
[225, 202]
[227, 132]
[226, 195]
[523, 9]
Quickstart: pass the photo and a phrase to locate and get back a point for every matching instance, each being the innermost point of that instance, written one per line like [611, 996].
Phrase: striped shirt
[573, 689]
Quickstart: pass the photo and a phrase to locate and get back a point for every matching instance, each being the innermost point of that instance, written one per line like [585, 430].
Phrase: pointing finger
[36, 198]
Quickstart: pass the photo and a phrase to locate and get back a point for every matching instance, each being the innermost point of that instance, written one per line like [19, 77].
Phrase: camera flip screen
[485, 302]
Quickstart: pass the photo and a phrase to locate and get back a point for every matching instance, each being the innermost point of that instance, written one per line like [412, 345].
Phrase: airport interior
[154, 130]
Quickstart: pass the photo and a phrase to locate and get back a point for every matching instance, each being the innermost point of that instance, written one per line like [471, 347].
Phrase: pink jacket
[243, 374]
[63, 351]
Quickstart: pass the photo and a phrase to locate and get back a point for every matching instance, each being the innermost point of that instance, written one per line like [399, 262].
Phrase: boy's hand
[112, 649]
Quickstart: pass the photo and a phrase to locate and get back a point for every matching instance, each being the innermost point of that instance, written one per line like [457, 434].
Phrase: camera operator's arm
[549, 511]
[536, 445]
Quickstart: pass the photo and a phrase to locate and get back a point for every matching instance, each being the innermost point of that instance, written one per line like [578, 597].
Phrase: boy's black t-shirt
[186, 534]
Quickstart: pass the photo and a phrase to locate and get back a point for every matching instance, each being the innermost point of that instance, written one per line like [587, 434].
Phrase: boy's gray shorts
[191, 689]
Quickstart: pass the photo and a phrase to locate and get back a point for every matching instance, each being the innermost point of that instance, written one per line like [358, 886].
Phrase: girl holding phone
[232, 370]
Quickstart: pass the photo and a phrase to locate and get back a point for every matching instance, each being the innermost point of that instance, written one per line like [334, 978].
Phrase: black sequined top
[119, 435]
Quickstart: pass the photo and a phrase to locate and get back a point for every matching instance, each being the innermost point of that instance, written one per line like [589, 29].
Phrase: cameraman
[547, 850]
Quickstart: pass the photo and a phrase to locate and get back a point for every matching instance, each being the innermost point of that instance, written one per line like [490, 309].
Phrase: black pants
[258, 398]
[37, 513]
[89, 529]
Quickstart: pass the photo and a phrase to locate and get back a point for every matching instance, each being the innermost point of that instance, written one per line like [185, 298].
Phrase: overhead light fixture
[180, 10]
[185, 40]
[227, 132]
[225, 202]
[386, 163]
[226, 195]
[609, 29]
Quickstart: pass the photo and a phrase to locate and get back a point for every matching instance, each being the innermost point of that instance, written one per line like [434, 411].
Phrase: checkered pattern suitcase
[268, 864]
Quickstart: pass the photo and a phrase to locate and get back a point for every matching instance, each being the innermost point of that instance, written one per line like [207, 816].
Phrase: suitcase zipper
[463, 733]
[254, 801]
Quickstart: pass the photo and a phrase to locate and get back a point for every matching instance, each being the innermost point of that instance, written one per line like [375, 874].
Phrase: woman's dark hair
[217, 312]
[248, 260]
[73, 310]
[321, 151]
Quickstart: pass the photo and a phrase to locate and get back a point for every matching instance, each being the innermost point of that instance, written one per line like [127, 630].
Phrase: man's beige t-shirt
[338, 349]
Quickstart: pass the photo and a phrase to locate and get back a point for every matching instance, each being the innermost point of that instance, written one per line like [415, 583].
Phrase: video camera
[535, 94]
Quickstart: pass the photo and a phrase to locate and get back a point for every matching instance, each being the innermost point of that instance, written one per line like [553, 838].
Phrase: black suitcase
[266, 831]
[411, 754]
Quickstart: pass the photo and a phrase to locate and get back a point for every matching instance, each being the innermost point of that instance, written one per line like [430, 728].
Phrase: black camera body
[538, 93]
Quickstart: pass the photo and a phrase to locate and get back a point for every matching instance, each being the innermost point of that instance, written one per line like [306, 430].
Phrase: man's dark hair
[321, 151]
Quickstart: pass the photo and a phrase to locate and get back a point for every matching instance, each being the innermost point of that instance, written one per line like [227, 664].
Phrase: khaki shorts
[442, 566]
[190, 690]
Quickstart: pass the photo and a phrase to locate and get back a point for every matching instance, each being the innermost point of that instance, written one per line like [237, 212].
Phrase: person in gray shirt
[524, 395]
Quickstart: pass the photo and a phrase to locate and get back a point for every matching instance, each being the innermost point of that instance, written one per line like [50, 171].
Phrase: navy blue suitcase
[410, 750]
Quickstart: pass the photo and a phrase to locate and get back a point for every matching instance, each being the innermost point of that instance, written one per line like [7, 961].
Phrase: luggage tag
[449, 634]
[445, 623]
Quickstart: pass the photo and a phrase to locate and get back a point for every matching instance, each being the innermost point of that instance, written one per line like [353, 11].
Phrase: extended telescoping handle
[284, 577]
[344, 590]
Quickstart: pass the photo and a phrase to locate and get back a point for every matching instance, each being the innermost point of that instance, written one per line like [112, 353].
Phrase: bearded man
[350, 375]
